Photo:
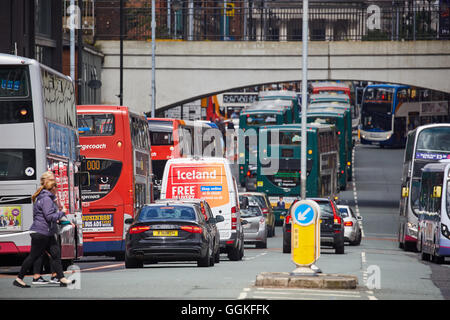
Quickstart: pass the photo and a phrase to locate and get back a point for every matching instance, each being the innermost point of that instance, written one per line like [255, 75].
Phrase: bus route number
[92, 165]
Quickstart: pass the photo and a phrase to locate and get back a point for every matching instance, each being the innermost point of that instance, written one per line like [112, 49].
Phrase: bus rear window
[17, 164]
[290, 138]
[96, 124]
[260, 119]
[14, 82]
[101, 178]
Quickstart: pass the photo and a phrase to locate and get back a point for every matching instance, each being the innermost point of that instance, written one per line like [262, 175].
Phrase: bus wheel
[423, 255]
[435, 257]
[120, 256]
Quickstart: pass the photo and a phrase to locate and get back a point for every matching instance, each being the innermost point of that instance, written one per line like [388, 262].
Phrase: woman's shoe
[65, 284]
[18, 284]
[39, 281]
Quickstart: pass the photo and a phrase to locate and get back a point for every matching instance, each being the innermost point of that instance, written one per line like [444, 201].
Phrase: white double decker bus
[38, 130]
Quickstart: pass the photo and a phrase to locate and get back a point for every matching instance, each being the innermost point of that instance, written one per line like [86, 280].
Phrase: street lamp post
[153, 59]
[304, 98]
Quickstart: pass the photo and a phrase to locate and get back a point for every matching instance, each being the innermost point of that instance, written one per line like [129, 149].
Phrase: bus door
[65, 199]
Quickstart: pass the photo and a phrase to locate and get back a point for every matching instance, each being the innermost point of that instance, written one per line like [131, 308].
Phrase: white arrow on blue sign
[304, 215]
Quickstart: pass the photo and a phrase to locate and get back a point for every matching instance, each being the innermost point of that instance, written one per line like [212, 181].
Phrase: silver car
[255, 227]
[352, 229]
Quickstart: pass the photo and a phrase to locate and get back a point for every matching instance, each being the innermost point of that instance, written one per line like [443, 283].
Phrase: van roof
[199, 160]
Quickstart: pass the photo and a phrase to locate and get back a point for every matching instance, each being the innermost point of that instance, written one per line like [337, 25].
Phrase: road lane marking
[243, 294]
[299, 294]
[254, 257]
[355, 193]
[103, 267]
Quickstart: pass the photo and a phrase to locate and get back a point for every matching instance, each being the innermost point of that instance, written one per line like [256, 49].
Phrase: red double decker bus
[331, 87]
[117, 171]
[175, 138]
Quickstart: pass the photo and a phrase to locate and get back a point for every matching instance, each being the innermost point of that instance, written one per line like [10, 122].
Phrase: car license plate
[165, 233]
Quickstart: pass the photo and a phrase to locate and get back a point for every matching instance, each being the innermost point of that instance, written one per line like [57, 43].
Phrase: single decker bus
[433, 240]
[425, 144]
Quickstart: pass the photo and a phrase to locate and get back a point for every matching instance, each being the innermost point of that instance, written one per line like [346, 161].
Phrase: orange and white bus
[117, 182]
[175, 138]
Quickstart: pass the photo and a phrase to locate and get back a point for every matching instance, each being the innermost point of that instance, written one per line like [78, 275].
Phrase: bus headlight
[412, 228]
[388, 136]
[444, 230]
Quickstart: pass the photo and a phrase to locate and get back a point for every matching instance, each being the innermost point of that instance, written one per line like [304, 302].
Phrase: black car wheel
[206, 260]
[339, 248]
[131, 263]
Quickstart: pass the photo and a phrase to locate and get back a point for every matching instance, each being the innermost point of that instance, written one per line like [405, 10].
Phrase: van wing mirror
[129, 221]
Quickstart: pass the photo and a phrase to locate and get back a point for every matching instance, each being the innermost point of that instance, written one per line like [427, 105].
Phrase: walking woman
[45, 216]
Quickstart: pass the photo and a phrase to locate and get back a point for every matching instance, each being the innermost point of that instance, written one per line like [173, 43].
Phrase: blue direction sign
[304, 214]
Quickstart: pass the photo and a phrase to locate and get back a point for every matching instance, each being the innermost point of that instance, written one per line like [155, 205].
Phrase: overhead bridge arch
[191, 69]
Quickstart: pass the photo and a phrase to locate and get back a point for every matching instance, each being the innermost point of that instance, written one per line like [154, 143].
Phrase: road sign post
[305, 236]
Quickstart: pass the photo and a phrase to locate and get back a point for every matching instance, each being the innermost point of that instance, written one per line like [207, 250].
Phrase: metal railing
[259, 20]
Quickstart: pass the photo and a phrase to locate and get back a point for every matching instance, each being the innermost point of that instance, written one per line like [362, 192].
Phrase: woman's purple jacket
[45, 214]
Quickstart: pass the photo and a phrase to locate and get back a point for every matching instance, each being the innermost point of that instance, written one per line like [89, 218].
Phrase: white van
[209, 179]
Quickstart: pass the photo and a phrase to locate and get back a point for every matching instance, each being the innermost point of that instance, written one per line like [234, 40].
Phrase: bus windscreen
[434, 140]
[376, 115]
[101, 178]
[96, 124]
[14, 82]
[17, 164]
[161, 132]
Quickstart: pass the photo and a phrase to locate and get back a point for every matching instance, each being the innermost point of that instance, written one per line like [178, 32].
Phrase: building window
[43, 17]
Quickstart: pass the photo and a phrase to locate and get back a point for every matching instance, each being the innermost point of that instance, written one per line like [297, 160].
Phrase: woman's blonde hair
[48, 181]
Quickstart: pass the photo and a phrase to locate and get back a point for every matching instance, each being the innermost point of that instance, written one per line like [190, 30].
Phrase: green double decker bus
[284, 97]
[334, 106]
[338, 118]
[261, 113]
[278, 166]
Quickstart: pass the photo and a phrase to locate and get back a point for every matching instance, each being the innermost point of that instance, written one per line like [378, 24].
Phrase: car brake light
[348, 223]
[337, 219]
[288, 219]
[248, 174]
[139, 229]
[265, 211]
[233, 218]
[192, 229]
